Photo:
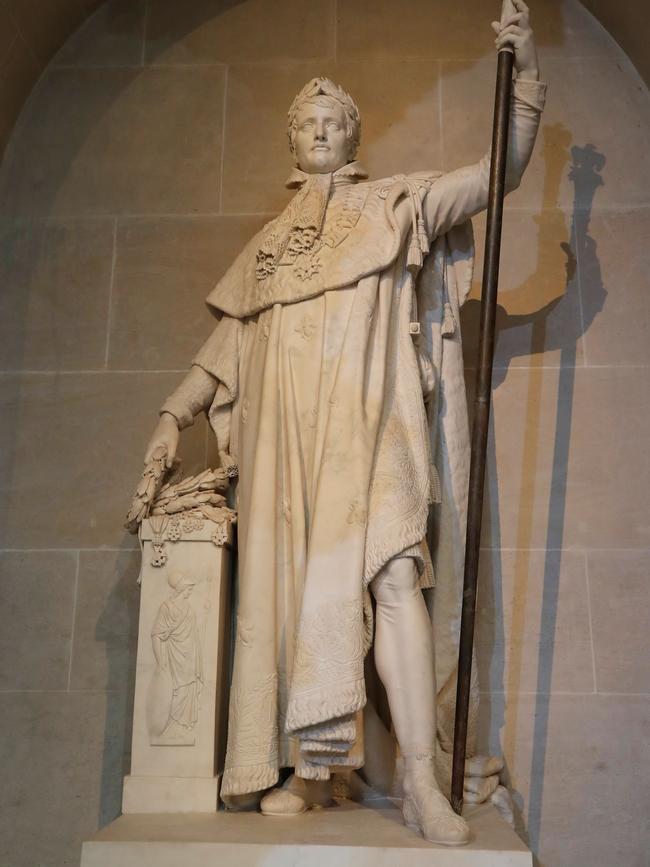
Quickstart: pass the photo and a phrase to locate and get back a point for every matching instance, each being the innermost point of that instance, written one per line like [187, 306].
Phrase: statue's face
[321, 142]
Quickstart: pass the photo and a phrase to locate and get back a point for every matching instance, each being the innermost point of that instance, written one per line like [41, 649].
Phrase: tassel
[448, 322]
[422, 237]
[414, 259]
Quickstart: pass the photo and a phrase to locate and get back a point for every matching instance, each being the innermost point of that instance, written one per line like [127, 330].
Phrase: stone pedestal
[180, 710]
[348, 835]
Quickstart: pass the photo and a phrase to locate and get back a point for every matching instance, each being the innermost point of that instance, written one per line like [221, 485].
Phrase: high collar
[351, 173]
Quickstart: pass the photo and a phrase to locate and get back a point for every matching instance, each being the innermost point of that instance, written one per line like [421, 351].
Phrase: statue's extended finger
[481, 785]
[502, 800]
[471, 798]
[483, 766]
[512, 30]
[510, 39]
[476, 790]
[521, 6]
[513, 19]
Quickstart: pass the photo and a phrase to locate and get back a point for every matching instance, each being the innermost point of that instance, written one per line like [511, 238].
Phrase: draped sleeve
[459, 195]
[219, 355]
[213, 377]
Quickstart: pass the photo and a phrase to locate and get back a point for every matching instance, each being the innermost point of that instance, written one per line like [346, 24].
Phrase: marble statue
[333, 382]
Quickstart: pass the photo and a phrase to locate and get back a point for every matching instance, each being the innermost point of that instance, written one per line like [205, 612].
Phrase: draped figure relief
[177, 645]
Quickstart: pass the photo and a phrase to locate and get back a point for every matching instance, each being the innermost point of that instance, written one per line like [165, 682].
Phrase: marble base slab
[348, 835]
[170, 794]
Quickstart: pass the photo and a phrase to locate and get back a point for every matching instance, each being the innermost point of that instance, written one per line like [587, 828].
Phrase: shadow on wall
[117, 630]
[51, 153]
[586, 166]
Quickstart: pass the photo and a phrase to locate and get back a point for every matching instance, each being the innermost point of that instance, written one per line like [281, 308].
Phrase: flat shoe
[436, 821]
[281, 802]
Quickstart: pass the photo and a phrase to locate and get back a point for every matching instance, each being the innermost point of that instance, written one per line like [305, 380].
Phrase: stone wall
[629, 24]
[152, 147]
[31, 31]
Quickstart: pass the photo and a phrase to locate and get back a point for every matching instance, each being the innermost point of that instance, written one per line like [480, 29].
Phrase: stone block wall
[152, 147]
[31, 31]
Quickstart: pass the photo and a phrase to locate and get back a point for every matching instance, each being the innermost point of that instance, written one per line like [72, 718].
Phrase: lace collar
[351, 173]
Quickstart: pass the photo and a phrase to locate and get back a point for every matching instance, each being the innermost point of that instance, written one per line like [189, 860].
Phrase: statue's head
[181, 584]
[324, 127]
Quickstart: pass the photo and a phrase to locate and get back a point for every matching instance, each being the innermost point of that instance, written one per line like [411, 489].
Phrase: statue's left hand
[482, 784]
[515, 31]
[481, 778]
[165, 436]
[481, 781]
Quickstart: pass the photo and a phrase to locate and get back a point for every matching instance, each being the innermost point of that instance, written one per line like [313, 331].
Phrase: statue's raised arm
[462, 193]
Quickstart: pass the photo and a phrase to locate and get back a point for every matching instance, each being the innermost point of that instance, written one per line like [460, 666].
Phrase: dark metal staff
[482, 408]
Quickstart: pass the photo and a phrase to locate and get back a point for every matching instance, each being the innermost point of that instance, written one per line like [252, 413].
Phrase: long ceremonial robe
[314, 387]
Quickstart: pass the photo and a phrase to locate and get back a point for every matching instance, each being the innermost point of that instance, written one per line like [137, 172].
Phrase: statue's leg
[405, 664]
[404, 654]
